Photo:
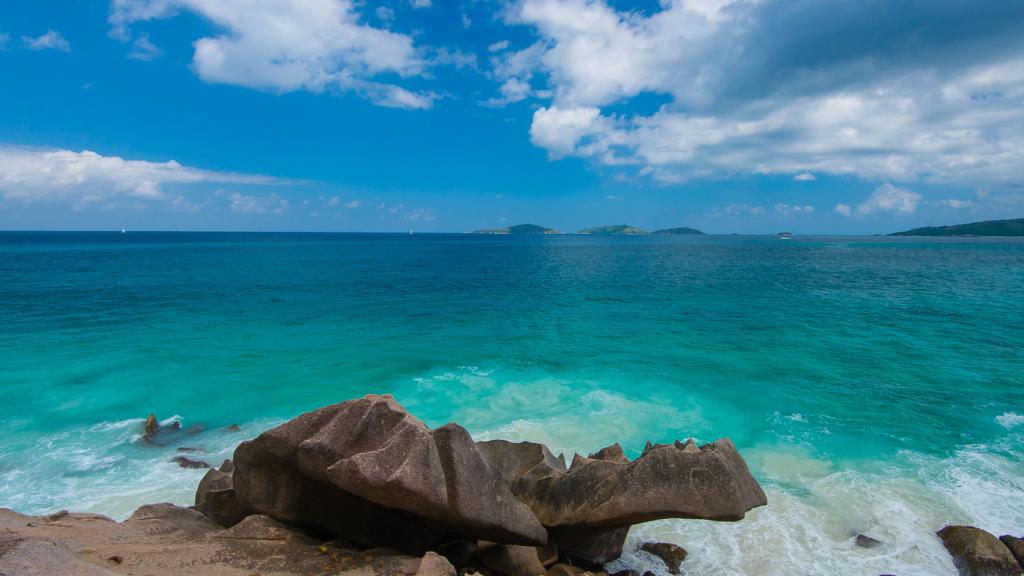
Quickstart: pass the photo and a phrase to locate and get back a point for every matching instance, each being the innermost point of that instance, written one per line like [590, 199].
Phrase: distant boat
[124, 231]
[410, 231]
[785, 235]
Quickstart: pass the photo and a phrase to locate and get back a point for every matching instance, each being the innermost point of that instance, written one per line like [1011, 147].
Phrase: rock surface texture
[364, 487]
[975, 552]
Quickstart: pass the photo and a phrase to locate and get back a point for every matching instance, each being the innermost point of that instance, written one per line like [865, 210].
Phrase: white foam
[1010, 420]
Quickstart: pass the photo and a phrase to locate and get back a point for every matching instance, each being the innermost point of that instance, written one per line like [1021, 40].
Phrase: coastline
[760, 544]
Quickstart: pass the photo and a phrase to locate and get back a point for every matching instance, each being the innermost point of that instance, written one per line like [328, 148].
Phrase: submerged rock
[186, 462]
[671, 554]
[975, 552]
[866, 541]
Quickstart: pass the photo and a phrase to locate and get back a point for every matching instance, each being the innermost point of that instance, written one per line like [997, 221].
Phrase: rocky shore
[363, 487]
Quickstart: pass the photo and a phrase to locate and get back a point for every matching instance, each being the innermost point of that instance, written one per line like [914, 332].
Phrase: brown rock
[588, 546]
[671, 554]
[368, 471]
[260, 527]
[434, 564]
[1016, 546]
[611, 453]
[215, 498]
[589, 507]
[511, 560]
[186, 462]
[866, 541]
[565, 570]
[975, 552]
[37, 557]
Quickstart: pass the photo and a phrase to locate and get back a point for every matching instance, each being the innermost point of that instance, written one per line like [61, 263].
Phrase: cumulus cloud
[35, 174]
[498, 46]
[804, 177]
[313, 45]
[52, 40]
[897, 92]
[421, 3]
[957, 204]
[385, 14]
[843, 209]
[736, 210]
[889, 198]
[353, 204]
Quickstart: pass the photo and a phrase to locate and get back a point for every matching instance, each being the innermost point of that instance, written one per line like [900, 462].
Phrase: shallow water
[872, 384]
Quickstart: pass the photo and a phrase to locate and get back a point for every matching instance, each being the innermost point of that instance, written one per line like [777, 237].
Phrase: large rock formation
[589, 507]
[975, 552]
[371, 473]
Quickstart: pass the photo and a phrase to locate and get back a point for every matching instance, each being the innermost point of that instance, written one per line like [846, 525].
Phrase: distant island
[518, 229]
[679, 230]
[617, 229]
[1013, 227]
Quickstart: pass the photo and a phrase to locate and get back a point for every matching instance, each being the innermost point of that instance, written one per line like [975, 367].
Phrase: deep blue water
[873, 384]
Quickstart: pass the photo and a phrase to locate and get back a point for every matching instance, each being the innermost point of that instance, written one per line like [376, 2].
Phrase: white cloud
[789, 210]
[561, 131]
[421, 3]
[35, 174]
[613, 197]
[385, 14]
[943, 108]
[889, 198]
[804, 177]
[52, 40]
[334, 201]
[353, 204]
[498, 46]
[290, 45]
[143, 49]
[957, 204]
[466, 22]
[250, 204]
[843, 209]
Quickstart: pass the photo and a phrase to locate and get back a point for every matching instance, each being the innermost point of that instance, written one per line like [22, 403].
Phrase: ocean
[874, 385]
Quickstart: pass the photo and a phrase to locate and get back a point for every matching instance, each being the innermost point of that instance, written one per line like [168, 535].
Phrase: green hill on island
[617, 229]
[518, 229]
[1013, 227]
[679, 230]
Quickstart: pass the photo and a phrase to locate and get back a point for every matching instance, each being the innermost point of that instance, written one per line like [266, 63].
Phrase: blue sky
[818, 116]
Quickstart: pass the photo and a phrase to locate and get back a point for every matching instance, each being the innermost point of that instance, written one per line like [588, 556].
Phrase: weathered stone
[370, 472]
[975, 552]
[186, 462]
[671, 554]
[215, 499]
[510, 560]
[1016, 546]
[561, 569]
[434, 564]
[611, 453]
[588, 546]
[36, 557]
[548, 553]
[260, 527]
[866, 541]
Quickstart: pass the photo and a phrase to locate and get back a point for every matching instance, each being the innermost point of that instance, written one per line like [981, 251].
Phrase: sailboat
[410, 231]
[124, 231]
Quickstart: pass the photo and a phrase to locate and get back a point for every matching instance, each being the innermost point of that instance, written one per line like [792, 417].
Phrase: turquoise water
[873, 384]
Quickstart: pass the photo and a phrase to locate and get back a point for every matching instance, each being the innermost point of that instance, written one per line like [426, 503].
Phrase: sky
[746, 116]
